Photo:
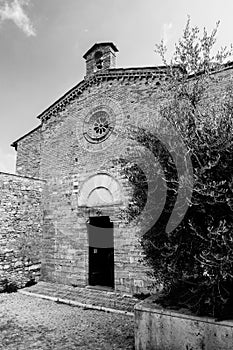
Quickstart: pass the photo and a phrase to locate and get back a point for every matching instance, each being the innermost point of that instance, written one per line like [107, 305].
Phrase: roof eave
[15, 143]
[101, 44]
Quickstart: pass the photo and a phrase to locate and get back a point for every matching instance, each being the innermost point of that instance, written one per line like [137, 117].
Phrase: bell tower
[99, 57]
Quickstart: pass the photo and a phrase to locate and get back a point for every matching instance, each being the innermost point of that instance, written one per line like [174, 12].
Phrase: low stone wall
[20, 229]
[163, 329]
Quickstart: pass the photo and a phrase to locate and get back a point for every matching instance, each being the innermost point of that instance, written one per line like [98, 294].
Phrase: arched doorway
[100, 193]
[101, 252]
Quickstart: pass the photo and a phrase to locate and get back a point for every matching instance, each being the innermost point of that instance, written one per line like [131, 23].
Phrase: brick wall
[28, 154]
[20, 229]
[67, 162]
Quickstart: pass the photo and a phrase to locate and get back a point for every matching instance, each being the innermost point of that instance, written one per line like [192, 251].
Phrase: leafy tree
[194, 263]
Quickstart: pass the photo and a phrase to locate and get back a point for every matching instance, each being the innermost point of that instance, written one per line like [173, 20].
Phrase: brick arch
[100, 189]
[100, 196]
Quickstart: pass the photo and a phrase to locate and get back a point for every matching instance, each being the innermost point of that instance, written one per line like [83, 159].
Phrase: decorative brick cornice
[121, 74]
[130, 74]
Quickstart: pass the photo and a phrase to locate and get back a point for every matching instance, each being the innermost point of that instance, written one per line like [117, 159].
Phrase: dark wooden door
[101, 252]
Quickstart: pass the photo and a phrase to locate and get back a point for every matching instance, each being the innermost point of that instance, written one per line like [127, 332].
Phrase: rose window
[101, 125]
[98, 126]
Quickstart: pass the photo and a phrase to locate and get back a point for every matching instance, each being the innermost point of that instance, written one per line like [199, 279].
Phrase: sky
[42, 43]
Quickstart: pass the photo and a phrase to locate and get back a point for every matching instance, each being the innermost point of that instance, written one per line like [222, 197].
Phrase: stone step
[98, 299]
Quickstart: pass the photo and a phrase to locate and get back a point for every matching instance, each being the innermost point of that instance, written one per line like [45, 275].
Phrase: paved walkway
[84, 297]
[29, 323]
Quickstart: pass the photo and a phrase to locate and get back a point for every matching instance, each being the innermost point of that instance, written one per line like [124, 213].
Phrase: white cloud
[14, 11]
[7, 162]
[167, 32]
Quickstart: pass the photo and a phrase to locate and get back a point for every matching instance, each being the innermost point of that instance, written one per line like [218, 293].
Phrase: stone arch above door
[100, 190]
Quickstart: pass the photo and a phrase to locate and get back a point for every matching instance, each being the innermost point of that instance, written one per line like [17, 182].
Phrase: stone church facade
[79, 234]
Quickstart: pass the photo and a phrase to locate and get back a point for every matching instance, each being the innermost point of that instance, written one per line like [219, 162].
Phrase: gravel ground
[31, 323]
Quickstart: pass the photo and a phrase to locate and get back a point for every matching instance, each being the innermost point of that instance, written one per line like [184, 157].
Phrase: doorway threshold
[104, 288]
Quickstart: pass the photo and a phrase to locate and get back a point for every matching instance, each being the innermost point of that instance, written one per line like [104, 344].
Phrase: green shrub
[194, 262]
[8, 287]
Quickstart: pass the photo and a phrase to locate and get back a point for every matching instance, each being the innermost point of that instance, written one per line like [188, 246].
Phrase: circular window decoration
[99, 123]
[98, 126]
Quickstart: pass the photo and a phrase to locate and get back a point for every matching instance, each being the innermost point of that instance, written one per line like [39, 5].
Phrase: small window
[99, 59]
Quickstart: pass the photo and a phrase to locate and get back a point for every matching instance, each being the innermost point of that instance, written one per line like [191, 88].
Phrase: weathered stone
[158, 328]
[20, 229]
[76, 150]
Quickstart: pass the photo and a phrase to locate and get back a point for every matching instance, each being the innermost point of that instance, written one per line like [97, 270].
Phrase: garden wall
[163, 329]
[20, 229]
